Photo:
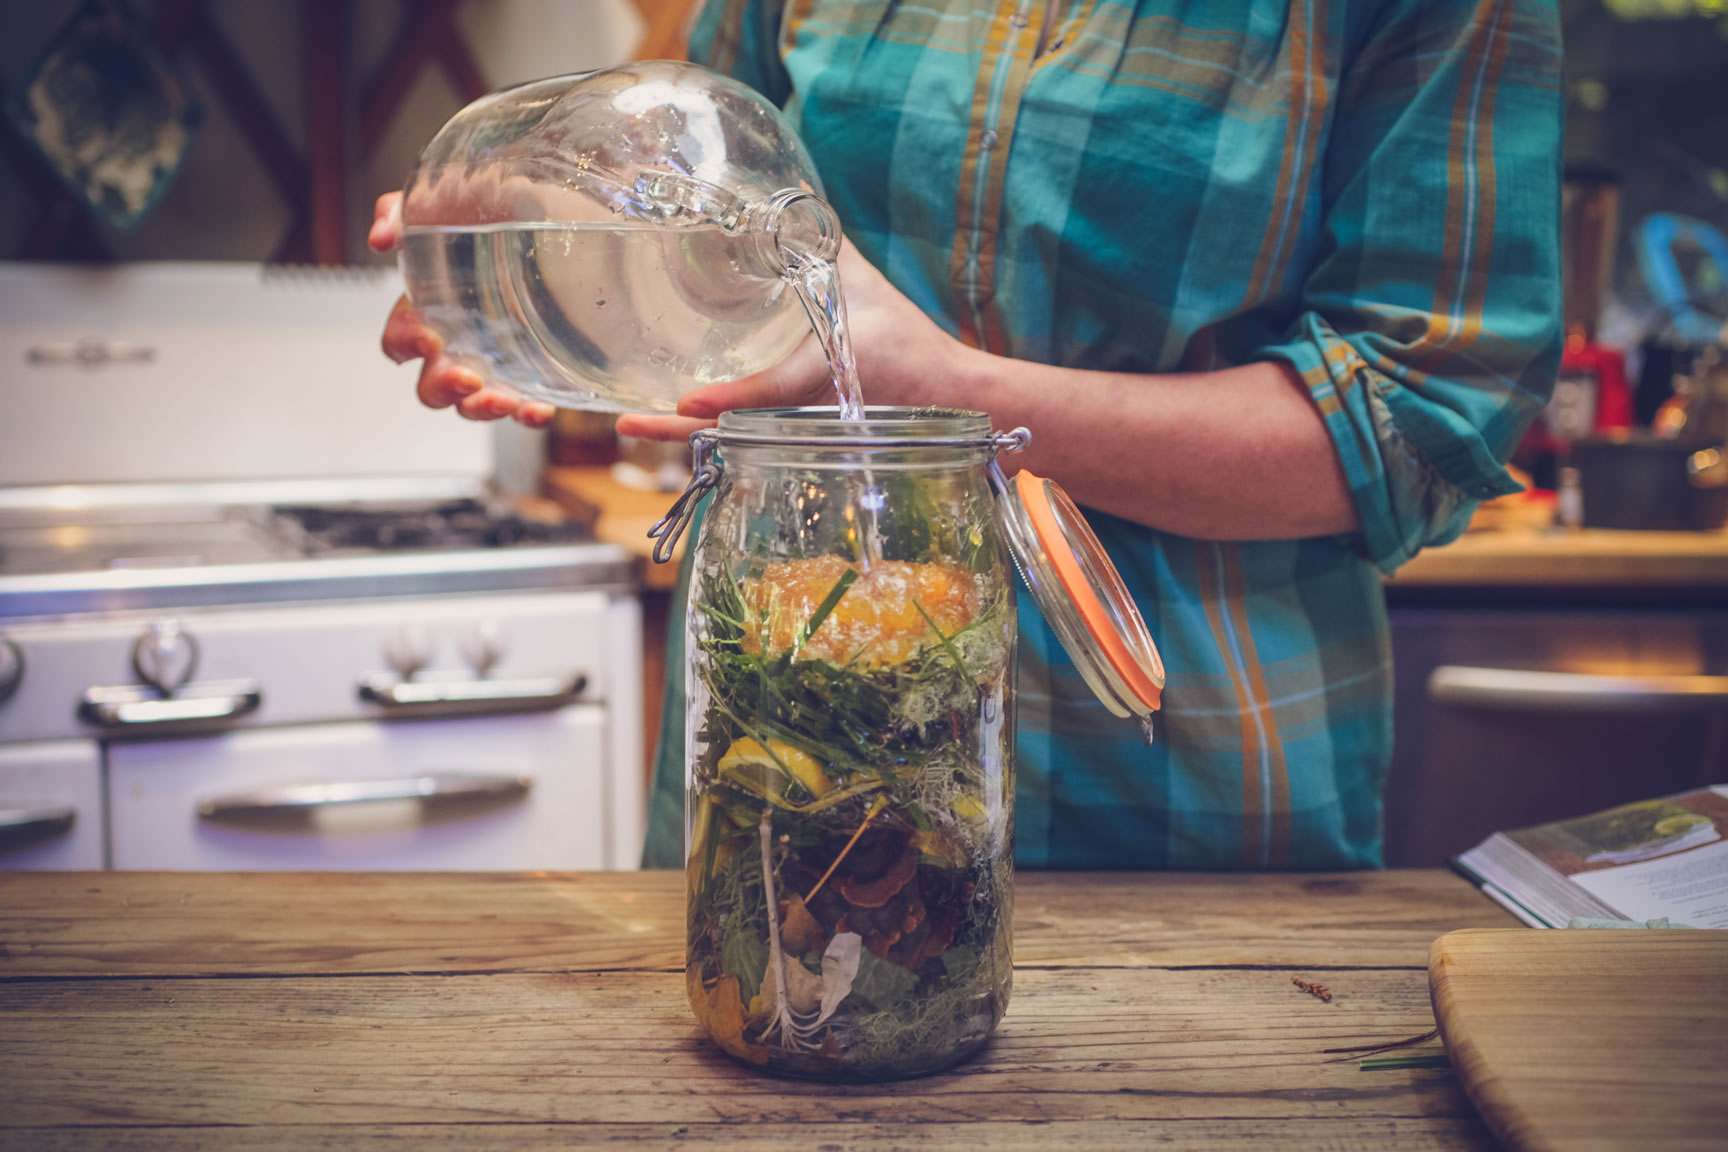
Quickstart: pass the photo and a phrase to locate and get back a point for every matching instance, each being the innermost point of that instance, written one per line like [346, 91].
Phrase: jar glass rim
[880, 422]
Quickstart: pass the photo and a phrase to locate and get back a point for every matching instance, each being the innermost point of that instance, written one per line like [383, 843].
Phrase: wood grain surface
[477, 1011]
[1589, 1040]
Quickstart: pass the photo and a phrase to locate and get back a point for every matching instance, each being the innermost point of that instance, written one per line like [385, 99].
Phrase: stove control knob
[483, 648]
[408, 651]
[164, 656]
[11, 668]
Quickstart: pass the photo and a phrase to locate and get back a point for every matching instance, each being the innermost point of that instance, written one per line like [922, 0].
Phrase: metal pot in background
[1671, 477]
[1638, 480]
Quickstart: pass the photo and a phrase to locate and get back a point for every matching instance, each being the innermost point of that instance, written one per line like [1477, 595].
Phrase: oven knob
[408, 651]
[483, 648]
[164, 656]
[11, 668]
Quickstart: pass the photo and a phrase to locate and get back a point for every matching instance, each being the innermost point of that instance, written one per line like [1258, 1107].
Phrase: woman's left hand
[903, 358]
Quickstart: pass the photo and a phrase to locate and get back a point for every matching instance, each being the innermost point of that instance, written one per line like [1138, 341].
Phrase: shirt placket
[1004, 65]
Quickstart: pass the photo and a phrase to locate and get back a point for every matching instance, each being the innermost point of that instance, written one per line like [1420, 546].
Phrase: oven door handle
[134, 708]
[432, 787]
[470, 697]
[1573, 691]
[22, 825]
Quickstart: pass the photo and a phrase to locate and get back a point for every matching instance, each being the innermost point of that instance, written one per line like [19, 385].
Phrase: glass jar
[851, 635]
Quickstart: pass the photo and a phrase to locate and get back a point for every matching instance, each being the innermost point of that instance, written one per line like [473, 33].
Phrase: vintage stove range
[258, 612]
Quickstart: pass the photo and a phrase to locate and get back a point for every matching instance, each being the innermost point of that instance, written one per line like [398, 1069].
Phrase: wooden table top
[425, 1011]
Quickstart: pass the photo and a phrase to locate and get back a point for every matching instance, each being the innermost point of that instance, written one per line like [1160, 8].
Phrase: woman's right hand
[443, 382]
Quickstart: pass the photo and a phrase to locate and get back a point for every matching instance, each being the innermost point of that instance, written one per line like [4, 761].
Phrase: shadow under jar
[849, 756]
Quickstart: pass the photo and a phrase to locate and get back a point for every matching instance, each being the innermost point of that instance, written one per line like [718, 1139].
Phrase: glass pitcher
[611, 240]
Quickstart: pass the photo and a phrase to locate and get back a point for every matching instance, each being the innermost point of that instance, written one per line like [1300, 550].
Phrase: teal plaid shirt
[1366, 191]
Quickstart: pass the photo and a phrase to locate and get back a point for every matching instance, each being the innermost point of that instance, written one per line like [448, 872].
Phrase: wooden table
[241, 1011]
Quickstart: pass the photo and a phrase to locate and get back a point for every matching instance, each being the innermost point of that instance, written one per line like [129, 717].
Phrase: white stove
[251, 638]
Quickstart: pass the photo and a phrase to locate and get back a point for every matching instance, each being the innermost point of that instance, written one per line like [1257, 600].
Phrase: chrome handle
[434, 787]
[18, 825]
[467, 697]
[91, 353]
[1517, 688]
[130, 707]
[11, 668]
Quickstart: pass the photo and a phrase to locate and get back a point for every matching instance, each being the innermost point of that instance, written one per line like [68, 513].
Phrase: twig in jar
[794, 1033]
[876, 807]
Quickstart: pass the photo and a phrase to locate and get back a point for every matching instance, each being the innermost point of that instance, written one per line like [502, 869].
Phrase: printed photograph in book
[1632, 832]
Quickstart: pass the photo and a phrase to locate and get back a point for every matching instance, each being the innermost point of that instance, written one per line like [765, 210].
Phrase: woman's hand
[903, 358]
[443, 382]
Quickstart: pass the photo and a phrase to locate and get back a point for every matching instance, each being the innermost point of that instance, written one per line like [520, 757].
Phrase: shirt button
[1018, 20]
[989, 140]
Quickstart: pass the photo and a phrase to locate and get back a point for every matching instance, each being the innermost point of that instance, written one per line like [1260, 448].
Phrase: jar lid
[1082, 596]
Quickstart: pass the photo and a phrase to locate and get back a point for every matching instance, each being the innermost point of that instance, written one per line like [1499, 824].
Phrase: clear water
[817, 283]
[608, 317]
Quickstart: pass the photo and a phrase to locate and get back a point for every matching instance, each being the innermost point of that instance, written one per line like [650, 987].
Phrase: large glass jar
[851, 715]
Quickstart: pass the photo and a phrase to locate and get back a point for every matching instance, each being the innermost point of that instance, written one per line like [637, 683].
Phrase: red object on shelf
[1608, 365]
[1590, 397]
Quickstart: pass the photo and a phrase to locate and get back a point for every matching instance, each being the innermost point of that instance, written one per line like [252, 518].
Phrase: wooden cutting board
[1571, 1039]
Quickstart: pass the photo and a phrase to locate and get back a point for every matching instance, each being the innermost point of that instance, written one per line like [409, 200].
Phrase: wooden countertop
[622, 515]
[1588, 557]
[408, 1010]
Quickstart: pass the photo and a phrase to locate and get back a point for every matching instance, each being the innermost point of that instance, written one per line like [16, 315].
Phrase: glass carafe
[611, 240]
[851, 632]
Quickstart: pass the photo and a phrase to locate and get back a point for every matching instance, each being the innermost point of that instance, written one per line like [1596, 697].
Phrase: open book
[1643, 861]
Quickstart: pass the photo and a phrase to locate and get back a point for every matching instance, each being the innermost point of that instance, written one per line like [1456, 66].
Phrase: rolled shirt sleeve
[1430, 334]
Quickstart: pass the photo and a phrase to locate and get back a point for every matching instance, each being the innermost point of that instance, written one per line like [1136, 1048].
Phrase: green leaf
[882, 982]
[947, 644]
[744, 954]
[960, 963]
[847, 579]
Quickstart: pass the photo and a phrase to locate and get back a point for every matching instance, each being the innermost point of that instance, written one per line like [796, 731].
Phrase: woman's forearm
[1236, 454]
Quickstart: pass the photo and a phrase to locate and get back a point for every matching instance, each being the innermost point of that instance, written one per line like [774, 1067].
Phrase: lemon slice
[748, 760]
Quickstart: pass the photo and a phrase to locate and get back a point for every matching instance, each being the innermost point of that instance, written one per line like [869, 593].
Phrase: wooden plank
[1370, 1134]
[149, 924]
[1590, 1040]
[327, 193]
[427, 32]
[619, 1047]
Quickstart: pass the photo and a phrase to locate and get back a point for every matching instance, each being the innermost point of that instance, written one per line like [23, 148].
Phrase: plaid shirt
[1366, 191]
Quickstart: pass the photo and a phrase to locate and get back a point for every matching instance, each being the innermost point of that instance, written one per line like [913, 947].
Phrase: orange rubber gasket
[1035, 498]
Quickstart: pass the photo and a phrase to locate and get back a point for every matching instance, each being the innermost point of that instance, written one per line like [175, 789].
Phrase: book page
[1689, 887]
[1640, 861]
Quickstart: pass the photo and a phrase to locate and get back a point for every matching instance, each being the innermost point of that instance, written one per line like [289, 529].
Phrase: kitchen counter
[1549, 558]
[413, 1010]
[621, 515]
